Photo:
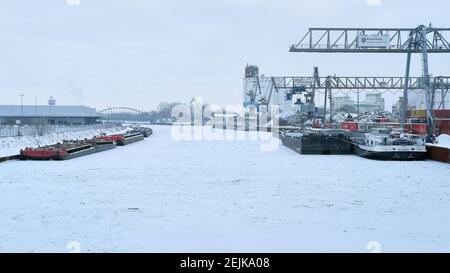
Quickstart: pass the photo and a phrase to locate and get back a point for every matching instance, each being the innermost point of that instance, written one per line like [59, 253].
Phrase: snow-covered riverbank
[162, 195]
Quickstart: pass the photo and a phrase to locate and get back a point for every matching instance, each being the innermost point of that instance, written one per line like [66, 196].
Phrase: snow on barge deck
[67, 150]
[146, 132]
[124, 139]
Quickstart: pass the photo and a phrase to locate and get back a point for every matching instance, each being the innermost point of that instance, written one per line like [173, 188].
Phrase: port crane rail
[313, 84]
[328, 40]
[336, 82]
[329, 83]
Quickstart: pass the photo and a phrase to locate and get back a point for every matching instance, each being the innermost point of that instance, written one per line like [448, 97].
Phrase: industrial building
[51, 114]
[341, 102]
[372, 102]
[416, 100]
[262, 90]
[397, 108]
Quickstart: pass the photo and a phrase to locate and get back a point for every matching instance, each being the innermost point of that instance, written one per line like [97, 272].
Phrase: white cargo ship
[390, 145]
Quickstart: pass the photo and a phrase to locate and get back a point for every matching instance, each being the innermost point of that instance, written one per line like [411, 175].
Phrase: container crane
[384, 40]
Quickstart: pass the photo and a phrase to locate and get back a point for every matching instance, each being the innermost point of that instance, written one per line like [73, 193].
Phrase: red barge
[123, 139]
[67, 150]
[71, 149]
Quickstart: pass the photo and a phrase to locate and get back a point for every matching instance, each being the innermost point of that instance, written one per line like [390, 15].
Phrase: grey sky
[137, 53]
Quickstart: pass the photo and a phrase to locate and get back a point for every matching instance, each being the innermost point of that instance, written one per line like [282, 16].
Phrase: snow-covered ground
[162, 195]
[12, 145]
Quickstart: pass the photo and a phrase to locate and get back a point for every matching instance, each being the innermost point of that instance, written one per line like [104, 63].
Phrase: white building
[373, 102]
[416, 99]
[339, 102]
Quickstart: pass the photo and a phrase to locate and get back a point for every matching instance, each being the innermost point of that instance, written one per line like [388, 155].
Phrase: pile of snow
[341, 116]
[12, 145]
[443, 141]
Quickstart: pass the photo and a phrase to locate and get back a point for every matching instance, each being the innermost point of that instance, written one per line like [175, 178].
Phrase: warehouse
[47, 114]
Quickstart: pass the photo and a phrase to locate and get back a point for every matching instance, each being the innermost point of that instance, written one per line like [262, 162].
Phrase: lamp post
[21, 103]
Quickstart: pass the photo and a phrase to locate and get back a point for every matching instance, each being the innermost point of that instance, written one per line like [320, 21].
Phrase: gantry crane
[423, 40]
[330, 83]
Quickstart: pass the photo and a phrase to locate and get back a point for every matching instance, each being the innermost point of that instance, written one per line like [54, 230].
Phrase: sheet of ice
[162, 195]
[12, 145]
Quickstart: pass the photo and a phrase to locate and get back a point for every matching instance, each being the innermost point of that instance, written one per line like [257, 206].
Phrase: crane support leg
[426, 81]
[325, 106]
[405, 92]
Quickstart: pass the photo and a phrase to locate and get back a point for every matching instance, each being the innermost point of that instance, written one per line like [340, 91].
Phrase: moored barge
[317, 142]
[146, 132]
[123, 139]
[66, 150]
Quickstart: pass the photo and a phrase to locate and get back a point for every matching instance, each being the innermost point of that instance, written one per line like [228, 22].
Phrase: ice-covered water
[162, 195]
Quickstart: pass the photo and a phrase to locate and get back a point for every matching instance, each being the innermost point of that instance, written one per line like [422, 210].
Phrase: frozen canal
[163, 195]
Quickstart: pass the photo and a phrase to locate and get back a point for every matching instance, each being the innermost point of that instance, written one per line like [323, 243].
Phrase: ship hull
[54, 152]
[317, 145]
[130, 139]
[391, 155]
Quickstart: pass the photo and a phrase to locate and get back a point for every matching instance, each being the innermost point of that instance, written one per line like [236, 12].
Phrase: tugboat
[386, 144]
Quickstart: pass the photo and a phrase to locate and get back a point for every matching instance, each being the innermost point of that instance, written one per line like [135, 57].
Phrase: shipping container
[443, 126]
[422, 114]
[441, 113]
[418, 113]
[419, 128]
[350, 125]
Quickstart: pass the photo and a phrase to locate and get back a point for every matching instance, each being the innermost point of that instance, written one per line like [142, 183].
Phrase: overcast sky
[138, 53]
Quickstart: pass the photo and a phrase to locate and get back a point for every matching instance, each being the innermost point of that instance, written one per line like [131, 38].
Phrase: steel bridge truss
[121, 114]
[346, 40]
[360, 83]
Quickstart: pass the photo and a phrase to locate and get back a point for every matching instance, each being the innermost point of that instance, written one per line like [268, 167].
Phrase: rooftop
[47, 111]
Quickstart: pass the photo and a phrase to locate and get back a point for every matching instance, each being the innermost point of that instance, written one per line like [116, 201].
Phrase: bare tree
[165, 109]
[41, 127]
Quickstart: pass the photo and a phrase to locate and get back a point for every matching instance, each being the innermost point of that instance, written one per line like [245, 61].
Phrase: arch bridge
[118, 114]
